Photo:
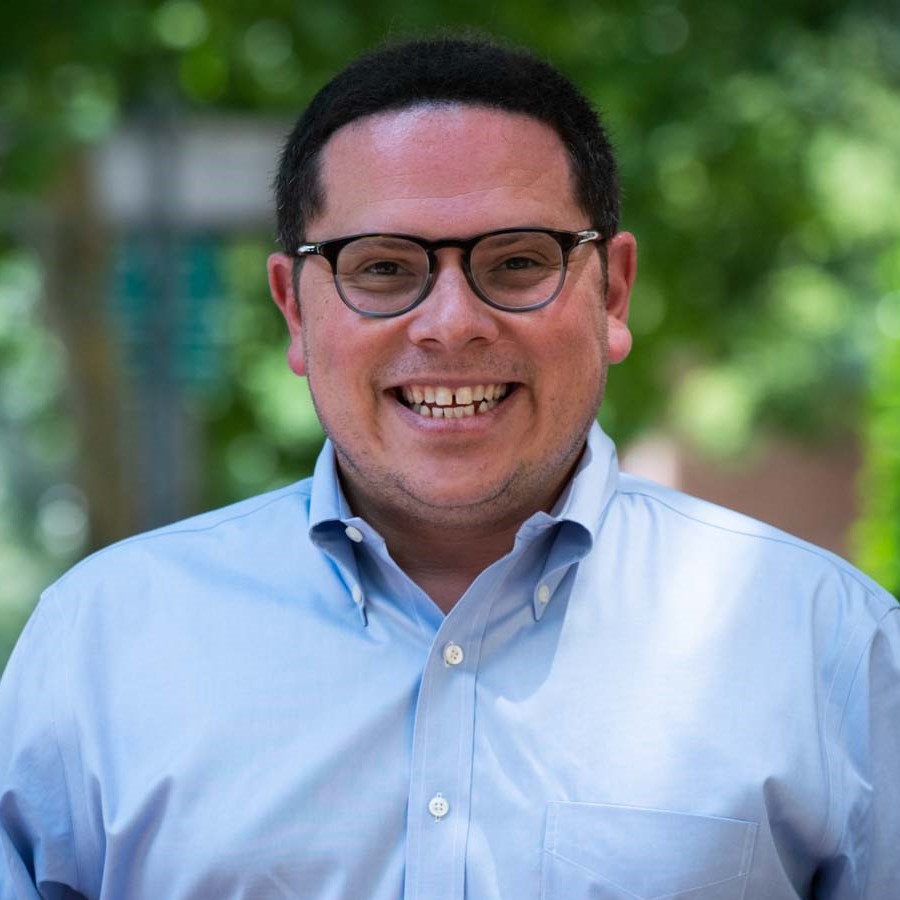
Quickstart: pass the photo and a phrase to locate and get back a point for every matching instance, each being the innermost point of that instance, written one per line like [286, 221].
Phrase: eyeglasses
[515, 269]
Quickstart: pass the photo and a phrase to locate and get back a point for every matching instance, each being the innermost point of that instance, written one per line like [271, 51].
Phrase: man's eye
[523, 264]
[383, 267]
[519, 262]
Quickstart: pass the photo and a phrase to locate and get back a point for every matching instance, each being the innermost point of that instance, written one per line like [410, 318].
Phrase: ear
[621, 269]
[281, 285]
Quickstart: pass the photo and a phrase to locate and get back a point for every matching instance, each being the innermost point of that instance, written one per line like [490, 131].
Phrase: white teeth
[444, 396]
[434, 401]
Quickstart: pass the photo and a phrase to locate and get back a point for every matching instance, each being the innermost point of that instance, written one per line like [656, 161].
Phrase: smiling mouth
[436, 401]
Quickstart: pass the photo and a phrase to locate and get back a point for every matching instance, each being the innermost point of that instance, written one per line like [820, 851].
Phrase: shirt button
[438, 806]
[543, 593]
[357, 594]
[354, 534]
[453, 654]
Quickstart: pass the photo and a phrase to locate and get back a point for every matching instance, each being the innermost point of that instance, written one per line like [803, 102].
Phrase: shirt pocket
[594, 851]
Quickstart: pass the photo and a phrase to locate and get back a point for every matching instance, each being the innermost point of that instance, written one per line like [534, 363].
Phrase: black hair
[467, 71]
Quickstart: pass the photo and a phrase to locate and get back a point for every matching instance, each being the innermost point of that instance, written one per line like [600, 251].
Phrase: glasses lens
[381, 275]
[518, 269]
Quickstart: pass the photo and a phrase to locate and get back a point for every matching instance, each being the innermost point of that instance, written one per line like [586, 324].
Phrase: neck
[445, 561]
[444, 549]
[441, 551]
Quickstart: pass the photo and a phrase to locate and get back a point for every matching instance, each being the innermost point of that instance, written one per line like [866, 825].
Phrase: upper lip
[444, 381]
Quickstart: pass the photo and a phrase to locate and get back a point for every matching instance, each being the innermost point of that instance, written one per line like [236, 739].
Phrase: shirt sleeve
[36, 848]
[866, 776]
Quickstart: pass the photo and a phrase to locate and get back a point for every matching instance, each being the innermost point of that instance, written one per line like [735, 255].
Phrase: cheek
[581, 344]
[327, 337]
[579, 362]
[342, 364]
[325, 369]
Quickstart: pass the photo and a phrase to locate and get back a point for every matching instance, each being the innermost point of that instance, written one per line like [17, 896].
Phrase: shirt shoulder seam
[776, 538]
[185, 527]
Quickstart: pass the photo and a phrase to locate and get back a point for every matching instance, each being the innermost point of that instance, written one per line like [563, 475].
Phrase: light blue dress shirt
[648, 697]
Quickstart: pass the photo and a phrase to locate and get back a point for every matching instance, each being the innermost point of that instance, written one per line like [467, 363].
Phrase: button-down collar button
[543, 593]
[438, 806]
[357, 594]
[453, 654]
[354, 534]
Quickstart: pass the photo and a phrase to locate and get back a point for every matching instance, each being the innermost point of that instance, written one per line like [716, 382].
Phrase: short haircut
[475, 72]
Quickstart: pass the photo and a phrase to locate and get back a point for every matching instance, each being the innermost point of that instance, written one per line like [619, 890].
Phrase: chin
[463, 498]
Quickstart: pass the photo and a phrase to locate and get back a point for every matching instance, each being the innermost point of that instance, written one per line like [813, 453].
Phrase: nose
[452, 315]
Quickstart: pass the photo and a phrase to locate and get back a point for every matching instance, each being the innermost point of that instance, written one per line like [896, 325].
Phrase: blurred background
[142, 373]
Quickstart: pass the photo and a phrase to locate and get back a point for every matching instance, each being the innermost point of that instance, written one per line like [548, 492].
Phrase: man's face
[439, 172]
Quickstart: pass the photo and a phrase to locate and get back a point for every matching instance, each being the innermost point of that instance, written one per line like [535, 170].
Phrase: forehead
[445, 170]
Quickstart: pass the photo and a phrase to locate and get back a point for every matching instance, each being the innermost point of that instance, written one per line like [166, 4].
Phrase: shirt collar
[331, 522]
[577, 515]
[327, 502]
[596, 477]
[583, 501]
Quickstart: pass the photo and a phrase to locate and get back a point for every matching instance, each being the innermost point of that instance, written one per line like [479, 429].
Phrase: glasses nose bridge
[431, 249]
[459, 314]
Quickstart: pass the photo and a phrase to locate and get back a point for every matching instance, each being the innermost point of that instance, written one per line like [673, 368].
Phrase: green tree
[878, 530]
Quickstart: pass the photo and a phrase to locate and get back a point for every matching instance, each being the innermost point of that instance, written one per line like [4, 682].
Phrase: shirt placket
[441, 773]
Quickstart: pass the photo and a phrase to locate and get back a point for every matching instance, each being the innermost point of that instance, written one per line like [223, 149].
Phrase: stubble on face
[365, 480]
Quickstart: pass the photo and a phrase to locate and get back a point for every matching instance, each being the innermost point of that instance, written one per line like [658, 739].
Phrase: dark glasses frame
[331, 249]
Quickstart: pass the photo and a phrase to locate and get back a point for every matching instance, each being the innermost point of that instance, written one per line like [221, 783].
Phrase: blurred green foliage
[877, 534]
[41, 521]
[759, 151]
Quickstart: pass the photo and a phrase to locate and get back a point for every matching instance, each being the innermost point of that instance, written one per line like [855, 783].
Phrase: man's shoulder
[246, 528]
[740, 542]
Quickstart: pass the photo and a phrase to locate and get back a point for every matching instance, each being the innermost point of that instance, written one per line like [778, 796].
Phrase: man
[467, 658]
